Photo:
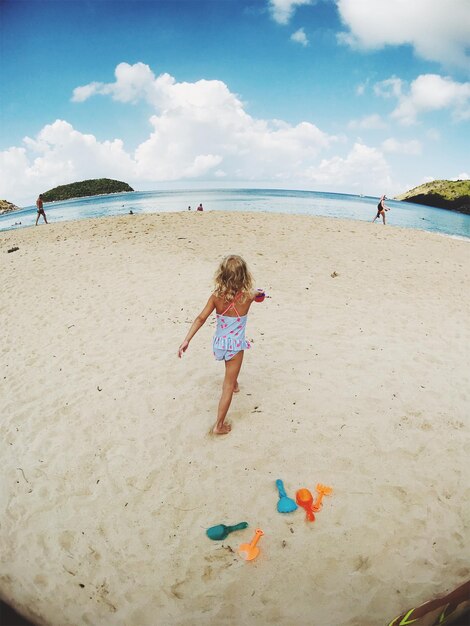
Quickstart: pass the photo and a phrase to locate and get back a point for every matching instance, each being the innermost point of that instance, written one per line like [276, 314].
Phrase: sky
[352, 96]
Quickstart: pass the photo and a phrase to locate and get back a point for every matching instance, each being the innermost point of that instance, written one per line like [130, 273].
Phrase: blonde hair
[233, 277]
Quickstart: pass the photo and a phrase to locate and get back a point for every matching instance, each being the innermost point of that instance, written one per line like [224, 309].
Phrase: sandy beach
[358, 378]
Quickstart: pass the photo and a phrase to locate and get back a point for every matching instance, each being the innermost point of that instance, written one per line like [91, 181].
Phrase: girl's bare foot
[222, 429]
[236, 389]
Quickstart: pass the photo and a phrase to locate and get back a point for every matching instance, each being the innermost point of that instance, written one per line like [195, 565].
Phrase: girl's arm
[197, 324]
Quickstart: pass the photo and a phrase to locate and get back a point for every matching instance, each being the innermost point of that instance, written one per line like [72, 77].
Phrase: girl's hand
[259, 295]
[183, 347]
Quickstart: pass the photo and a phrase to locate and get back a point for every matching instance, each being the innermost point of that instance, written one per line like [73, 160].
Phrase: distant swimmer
[40, 208]
[199, 208]
[381, 208]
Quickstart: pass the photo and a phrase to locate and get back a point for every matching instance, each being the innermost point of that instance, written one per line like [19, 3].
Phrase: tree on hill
[444, 194]
[92, 187]
[7, 207]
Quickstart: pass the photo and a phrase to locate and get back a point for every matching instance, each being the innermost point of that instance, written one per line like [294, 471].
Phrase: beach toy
[249, 551]
[322, 490]
[260, 296]
[305, 500]
[284, 504]
[221, 531]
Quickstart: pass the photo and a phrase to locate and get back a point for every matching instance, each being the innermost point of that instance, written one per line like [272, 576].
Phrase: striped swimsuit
[229, 338]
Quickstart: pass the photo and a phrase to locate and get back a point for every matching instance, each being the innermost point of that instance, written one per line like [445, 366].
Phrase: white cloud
[364, 168]
[368, 122]
[390, 88]
[402, 147]
[361, 89]
[300, 37]
[83, 93]
[433, 134]
[462, 176]
[132, 83]
[247, 148]
[437, 30]
[13, 173]
[431, 92]
[59, 154]
[199, 130]
[283, 10]
[199, 126]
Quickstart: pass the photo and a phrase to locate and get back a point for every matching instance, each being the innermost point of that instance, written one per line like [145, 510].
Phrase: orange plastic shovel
[304, 499]
[249, 551]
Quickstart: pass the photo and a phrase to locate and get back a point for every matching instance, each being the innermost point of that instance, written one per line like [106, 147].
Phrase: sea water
[352, 207]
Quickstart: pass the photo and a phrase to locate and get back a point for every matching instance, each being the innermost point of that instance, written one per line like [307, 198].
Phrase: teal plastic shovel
[285, 504]
[221, 531]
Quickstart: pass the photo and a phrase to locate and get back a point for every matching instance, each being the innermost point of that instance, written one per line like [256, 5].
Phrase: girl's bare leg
[232, 369]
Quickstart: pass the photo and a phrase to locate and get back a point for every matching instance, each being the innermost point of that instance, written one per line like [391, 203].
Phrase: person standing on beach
[199, 208]
[232, 297]
[381, 208]
[40, 208]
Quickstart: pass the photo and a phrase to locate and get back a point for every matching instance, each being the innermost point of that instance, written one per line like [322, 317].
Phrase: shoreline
[254, 212]
[343, 206]
[357, 379]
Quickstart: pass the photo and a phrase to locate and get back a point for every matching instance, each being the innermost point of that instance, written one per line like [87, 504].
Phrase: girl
[231, 299]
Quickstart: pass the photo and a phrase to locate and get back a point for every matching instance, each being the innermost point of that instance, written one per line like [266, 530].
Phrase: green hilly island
[7, 207]
[444, 194]
[92, 187]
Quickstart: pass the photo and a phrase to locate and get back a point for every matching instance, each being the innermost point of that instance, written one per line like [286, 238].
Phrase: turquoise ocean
[346, 206]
